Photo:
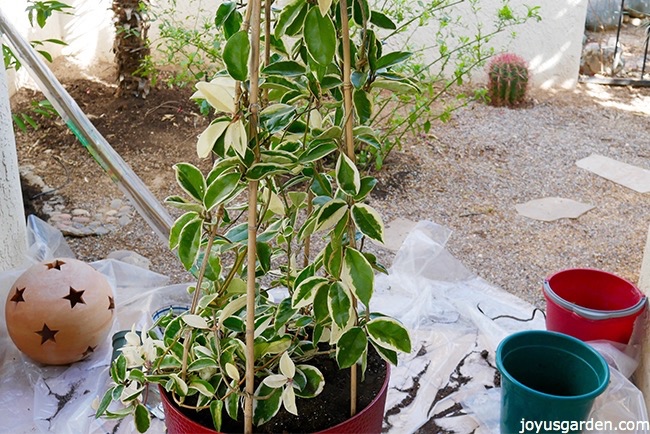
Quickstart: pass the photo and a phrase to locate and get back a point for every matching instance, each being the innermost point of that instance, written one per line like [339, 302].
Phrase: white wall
[552, 47]
[13, 232]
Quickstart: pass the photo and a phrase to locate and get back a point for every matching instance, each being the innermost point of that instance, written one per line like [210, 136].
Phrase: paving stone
[80, 212]
[130, 257]
[102, 230]
[124, 220]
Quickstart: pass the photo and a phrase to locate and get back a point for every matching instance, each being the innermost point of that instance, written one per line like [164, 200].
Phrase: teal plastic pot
[548, 380]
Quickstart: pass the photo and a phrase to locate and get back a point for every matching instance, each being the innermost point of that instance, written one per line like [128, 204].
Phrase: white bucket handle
[593, 313]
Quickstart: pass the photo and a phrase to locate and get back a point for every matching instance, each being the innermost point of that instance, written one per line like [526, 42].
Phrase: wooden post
[642, 374]
[13, 231]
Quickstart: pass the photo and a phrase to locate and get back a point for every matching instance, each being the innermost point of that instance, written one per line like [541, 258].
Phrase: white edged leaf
[217, 95]
[368, 221]
[232, 371]
[196, 321]
[289, 400]
[275, 381]
[324, 6]
[209, 136]
[287, 368]
[236, 137]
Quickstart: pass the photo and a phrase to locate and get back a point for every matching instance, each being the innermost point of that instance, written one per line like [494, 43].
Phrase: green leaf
[382, 21]
[235, 55]
[286, 68]
[265, 409]
[330, 214]
[216, 409]
[398, 86]
[368, 221]
[118, 369]
[360, 11]
[288, 15]
[305, 292]
[321, 309]
[320, 37]
[232, 24]
[232, 403]
[223, 12]
[264, 253]
[179, 224]
[283, 314]
[392, 59]
[339, 303]
[390, 334]
[189, 242]
[367, 184]
[220, 190]
[277, 117]
[261, 170]
[358, 79]
[202, 363]
[357, 275]
[105, 402]
[183, 204]
[317, 151]
[362, 105]
[142, 418]
[314, 384]
[202, 386]
[191, 180]
[350, 347]
[347, 175]
[389, 355]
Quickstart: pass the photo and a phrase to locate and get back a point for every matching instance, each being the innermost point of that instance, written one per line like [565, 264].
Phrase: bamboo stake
[349, 141]
[254, 66]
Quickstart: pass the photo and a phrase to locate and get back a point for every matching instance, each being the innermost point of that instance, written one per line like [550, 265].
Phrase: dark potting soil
[328, 409]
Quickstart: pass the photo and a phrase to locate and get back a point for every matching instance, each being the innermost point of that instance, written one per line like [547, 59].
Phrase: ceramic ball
[59, 311]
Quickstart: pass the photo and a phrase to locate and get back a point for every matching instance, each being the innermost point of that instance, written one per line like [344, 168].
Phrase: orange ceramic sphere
[59, 311]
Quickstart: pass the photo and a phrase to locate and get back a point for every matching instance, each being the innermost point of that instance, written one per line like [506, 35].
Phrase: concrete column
[13, 230]
[642, 374]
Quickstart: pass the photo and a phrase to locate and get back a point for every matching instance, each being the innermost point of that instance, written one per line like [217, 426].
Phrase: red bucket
[592, 304]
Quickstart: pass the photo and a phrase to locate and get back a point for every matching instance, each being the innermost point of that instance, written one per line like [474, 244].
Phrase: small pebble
[80, 212]
[116, 204]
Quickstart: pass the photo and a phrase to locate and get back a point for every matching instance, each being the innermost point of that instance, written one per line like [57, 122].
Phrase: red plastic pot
[369, 420]
[592, 305]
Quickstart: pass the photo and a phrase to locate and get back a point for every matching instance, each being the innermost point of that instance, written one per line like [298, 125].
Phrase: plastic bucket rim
[591, 395]
[593, 314]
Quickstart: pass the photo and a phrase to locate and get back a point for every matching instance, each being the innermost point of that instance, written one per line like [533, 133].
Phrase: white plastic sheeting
[449, 381]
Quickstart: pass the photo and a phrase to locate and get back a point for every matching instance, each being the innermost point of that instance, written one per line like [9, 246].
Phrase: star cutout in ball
[75, 297]
[88, 351]
[47, 334]
[111, 303]
[56, 265]
[18, 296]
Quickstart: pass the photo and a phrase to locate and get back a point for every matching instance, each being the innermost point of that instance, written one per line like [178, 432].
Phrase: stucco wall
[552, 47]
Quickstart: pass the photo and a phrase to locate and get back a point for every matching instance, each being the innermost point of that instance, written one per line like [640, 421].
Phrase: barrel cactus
[507, 80]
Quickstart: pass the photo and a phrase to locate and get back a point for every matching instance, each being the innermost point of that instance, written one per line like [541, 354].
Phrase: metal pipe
[120, 172]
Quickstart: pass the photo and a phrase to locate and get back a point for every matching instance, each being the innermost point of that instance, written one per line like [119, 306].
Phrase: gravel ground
[467, 175]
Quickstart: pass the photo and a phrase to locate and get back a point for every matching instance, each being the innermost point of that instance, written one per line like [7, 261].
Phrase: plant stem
[254, 66]
[349, 141]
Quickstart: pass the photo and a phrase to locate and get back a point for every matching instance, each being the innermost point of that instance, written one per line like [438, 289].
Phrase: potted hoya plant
[283, 207]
